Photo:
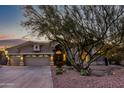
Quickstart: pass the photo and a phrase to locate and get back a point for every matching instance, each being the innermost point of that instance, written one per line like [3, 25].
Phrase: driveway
[25, 77]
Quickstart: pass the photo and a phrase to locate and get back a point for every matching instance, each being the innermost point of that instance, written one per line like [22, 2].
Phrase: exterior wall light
[21, 58]
[6, 52]
[51, 58]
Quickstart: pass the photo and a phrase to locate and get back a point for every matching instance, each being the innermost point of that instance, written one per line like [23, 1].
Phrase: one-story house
[29, 53]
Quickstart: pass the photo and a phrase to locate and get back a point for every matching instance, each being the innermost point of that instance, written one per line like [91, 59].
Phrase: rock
[98, 73]
[122, 63]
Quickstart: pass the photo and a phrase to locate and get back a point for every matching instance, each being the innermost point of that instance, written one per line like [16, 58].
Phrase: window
[36, 47]
[46, 56]
[28, 55]
[34, 56]
[40, 55]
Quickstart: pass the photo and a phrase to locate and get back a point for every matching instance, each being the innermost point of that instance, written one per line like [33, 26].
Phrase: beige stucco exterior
[26, 54]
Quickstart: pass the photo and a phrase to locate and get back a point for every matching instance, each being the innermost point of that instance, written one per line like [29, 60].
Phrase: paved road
[25, 77]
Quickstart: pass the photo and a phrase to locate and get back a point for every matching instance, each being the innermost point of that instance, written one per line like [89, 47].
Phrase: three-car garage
[30, 60]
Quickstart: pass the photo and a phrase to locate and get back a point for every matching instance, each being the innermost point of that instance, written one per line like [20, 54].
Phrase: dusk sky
[10, 19]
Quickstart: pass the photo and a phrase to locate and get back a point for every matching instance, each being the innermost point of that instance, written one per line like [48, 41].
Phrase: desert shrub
[85, 72]
[59, 71]
[117, 59]
[68, 63]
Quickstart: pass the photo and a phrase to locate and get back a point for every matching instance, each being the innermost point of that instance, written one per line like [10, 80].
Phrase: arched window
[36, 47]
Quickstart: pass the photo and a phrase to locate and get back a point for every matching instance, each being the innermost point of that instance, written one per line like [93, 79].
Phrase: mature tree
[116, 55]
[81, 30]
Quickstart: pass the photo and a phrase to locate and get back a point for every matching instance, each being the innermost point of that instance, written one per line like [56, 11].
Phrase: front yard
[39, 77]
[98, 79]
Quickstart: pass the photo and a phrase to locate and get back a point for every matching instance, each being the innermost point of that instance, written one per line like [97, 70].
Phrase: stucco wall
[28, 48]
[13, 50]
[46, 49]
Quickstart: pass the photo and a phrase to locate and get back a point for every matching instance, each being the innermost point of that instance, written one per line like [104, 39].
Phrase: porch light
[58, 52]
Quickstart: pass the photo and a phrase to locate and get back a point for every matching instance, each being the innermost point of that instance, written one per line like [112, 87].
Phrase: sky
[10, 19]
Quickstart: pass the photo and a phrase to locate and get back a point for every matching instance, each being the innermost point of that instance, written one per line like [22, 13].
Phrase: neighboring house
[29, 53]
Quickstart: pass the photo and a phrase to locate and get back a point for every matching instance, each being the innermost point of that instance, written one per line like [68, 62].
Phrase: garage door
[37, 60]
[15, 60]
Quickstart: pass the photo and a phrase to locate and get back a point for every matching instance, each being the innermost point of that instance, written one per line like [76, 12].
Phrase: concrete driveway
[25, 77]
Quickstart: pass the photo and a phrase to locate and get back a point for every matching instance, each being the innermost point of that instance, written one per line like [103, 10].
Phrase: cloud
[2, 37]
[14, 31]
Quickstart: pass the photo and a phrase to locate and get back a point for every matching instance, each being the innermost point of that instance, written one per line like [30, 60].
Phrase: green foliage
[68, 63]
[85, 72]
[116, 55]
[78, 29]
[59, 71]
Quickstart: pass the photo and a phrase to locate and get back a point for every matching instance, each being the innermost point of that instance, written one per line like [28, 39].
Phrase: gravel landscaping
[101, 77]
